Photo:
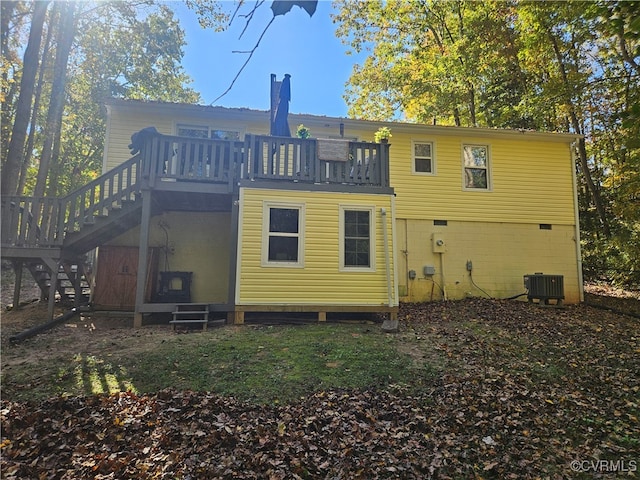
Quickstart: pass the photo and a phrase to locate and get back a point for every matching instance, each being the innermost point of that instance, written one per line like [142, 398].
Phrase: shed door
[116, 277]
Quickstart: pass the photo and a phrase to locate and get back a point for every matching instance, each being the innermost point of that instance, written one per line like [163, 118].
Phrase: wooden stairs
[72, 281]
[113, 221]
[190, 314]
[51, 236]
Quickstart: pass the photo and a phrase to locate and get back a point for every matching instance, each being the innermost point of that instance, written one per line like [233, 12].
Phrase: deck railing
[111, 190]
[295, 159]
[43, 222]
[367, 165]
[175, 158]
[263, 157]
[30, 221]
[280, 158]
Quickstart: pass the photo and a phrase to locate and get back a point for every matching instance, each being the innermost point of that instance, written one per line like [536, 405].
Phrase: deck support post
[53, 286]
[233, 249]
[141, 281]
[322, 316]
[236, 317]
[17, 268]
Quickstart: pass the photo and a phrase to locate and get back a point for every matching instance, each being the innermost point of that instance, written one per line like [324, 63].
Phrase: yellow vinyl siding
[530, 181]
[198, 243]
[123, 121]
[501, 254]
[122, 124]
[320, 282]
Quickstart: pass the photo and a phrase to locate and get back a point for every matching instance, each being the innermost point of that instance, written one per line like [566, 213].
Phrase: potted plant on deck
[382, 135]
[302, 132]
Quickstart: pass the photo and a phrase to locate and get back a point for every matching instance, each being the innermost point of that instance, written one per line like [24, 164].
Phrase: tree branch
[248, 16]
[246, 62]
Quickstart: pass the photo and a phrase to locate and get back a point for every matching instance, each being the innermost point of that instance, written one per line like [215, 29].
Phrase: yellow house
[236, 221]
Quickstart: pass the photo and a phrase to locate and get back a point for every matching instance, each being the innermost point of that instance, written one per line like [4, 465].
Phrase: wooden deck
[192, 175]
[190, 166]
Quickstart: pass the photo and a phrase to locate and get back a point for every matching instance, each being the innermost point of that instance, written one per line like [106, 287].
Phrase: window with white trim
[283, 239]
[205, 131]
[476, 167]
[357, 228]
[423, 158]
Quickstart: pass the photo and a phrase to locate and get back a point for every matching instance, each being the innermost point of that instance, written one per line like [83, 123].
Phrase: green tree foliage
[119, 49]
[614, 111]
[562, 66]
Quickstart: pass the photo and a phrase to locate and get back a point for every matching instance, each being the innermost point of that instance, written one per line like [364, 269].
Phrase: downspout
[387, 263]
[391, 324]
[394, 251]
[406, 258]
[576, 214]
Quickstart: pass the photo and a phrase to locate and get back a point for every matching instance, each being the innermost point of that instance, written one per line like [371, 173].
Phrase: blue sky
[305, 47]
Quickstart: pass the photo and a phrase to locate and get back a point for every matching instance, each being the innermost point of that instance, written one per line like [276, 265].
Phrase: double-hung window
[357, 227]
[283, 239]
[476, 167]
[423, 158]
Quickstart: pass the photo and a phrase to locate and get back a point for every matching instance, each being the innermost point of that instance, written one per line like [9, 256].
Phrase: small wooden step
[190, 313]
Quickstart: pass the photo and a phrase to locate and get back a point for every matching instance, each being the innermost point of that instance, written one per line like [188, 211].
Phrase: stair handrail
[111, 189]
[30, 221]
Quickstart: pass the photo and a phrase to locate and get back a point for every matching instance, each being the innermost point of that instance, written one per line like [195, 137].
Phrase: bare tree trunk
[7, 118]
[7, 10]
[624, 51]
[28, 151]
[472, 105]
[15, 153]
[456, 116]
[66, 34]
[54, 170]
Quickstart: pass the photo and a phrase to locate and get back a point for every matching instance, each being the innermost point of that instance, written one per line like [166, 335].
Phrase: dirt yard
[496, 390]
[88, 333]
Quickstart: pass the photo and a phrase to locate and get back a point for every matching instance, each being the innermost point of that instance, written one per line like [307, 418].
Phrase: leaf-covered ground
[501, 390]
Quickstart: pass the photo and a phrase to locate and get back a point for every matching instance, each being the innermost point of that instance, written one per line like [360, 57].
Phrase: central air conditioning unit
[544, 288]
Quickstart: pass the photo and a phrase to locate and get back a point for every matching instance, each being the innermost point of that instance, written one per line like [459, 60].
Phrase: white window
[283, 238]
[476, 167]
[205, 131]
[357, 238]
[423, 158]
[195, 131]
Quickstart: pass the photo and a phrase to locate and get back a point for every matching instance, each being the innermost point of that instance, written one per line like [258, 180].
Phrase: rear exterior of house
[235, 221]
[284, 235]
[501, 203]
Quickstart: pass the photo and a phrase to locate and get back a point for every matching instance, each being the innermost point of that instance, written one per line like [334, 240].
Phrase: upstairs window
[194, 131]
[204, 131]
[423, 158]
[217, 134]
[476, 167]
[283, 239]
